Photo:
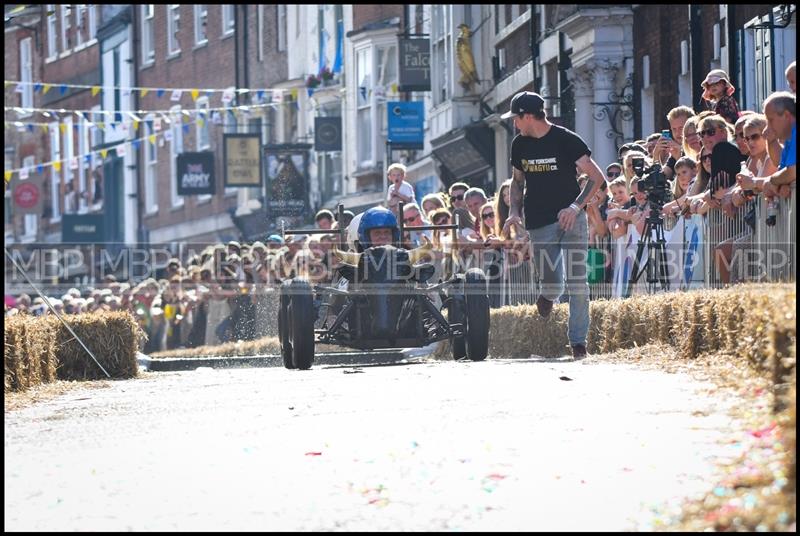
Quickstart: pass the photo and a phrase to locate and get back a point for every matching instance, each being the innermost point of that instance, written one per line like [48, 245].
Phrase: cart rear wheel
[477, 315]
[456, 314]
[301, 312]
[284, 326]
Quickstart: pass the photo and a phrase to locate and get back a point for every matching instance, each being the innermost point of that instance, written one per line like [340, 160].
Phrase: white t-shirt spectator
[405, 189]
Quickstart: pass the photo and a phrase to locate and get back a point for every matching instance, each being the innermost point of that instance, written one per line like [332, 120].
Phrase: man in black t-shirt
[544, 158]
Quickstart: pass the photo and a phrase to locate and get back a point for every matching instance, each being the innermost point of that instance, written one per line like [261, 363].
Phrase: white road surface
[499, 445]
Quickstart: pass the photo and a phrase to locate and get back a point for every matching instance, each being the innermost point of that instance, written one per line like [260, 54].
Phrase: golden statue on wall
[466, 62]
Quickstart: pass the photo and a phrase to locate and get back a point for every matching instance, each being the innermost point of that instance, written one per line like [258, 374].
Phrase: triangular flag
[37, 87]
[394, 88]
[57, 166]
[152, 138]
[159, 93]
[44, 128]
[135, 126]
[45, 89]
[23, 173]
[103, 153]
[95, 90]
[120, 149]
[30, 127]
[136, 144]
[201, 123]
[40, 168]
[62, 88]
[310, 91]
[101, 125]
[9, 174]
[260, 95]
[176, 95]
[19, 88]
[294, 93]
[186, 129]
[195, 94]
[145, 91]
[62, 127]
[73, 163]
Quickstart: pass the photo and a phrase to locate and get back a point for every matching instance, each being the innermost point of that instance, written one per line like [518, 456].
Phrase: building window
[363, 105]
[148, 33]
[55, 176]
[260, 22]
[52, 43]
[203, 130]
[92, 21]
[173, 26]
[83, 165]
[150, 151]
[441, 42]
[70, 195]
[228, 19]
[80, 24]
[281, 23]
[66, 11]
[176, 148]
[31, 221]
[386, 67]
[26, 73]
[200, 22]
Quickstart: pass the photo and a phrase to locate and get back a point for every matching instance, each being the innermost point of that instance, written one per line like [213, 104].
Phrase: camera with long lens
[653, 182]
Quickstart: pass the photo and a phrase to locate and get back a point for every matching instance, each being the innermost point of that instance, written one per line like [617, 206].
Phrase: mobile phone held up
[666, 134]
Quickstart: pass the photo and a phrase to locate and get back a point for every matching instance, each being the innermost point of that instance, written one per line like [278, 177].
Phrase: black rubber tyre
[284, 326]
[301, 313]
[456, 314]
[477, 314]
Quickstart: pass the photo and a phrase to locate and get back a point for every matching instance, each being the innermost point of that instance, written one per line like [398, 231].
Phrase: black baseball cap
[524, 102]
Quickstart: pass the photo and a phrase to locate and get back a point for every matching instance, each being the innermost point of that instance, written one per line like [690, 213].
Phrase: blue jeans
[555, 249]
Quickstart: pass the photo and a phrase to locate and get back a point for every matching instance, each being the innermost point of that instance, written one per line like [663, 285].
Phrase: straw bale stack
[111, 336]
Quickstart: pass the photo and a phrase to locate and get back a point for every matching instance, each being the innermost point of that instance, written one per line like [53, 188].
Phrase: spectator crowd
[717, 159]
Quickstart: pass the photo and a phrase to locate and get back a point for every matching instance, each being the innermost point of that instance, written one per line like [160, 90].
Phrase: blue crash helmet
[375, 218]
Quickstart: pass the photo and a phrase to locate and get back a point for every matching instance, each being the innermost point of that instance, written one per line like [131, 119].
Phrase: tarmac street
[429, 445]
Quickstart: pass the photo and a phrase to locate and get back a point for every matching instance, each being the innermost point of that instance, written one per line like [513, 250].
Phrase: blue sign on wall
[406, 124]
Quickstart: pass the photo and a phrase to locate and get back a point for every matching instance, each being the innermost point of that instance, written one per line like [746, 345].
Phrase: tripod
[656, 263]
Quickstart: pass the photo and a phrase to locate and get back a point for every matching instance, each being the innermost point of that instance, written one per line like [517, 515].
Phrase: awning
[466, 152]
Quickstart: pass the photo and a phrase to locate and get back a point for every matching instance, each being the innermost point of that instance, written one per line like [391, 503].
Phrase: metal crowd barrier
[774, 251]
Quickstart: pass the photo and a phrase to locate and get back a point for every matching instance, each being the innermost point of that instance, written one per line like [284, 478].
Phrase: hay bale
[29, 352]
[111, 336]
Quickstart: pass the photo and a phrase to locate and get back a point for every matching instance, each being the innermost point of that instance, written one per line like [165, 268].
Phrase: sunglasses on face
[410, 219]
[752, 137]
[708, 132]
[441, 221]
[705, 157]
[457, 197]
[487, 215]
[613, 174]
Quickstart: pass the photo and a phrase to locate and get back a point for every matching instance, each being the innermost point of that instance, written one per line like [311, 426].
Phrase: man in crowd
[781, 125]
[456, 193]
[475, 198]
[324, 219]
[544, 157]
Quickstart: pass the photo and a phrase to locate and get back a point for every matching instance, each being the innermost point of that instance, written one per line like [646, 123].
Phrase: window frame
[228, 26]
[30, 222]
[26, 96]
[173, 28]
[52, 32]
[203, 103]
[150, 160]
[65, 12]
[200, 10]
[148, 34]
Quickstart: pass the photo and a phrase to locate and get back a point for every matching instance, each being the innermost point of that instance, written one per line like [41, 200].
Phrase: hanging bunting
[23, 173]
[120, 149]
[294, 93]
[95, 90]
[103, 153]
[73, 163]
[8, 175]
[62, 88]
[145, 91]
[195, 94]
[136, 144]
[40, 169]
[45, 89]
[57, 166]
[176, 95]
[159, 93]
[37, 87]
[152, 139]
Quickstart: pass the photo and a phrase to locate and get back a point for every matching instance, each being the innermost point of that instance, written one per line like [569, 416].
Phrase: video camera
[653, 182]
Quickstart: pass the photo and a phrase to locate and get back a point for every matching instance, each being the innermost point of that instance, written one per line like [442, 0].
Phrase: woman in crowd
[431, 202]
[691, 139]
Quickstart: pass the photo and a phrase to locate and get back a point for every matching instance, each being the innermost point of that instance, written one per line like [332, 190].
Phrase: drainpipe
[142, 240]
[534, 46]
[733, 65]
[696, 47]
